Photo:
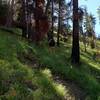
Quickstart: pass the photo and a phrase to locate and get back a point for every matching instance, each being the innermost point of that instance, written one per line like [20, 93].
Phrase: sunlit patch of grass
[94, 65]
[47, 73]
[90, 62]
[60, 89]
[55, 87]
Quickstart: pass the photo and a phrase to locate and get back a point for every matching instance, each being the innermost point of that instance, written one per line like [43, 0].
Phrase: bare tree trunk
[75, 45]
[10, 13]
[52, 17]
[47, 7]
[36, 23]
[23, 19]
[59, 23]
[50, 33]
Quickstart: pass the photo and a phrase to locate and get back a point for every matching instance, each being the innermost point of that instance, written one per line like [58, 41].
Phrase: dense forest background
[49, 50]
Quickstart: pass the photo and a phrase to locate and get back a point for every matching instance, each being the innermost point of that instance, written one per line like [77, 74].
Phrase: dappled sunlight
[49, 50]
[47, 72]
[58, 87]
[33, 68]
[95, 65]
[90, 62]
[61, 90]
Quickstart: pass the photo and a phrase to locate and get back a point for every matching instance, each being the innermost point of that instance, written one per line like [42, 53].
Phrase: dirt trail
[74, 91]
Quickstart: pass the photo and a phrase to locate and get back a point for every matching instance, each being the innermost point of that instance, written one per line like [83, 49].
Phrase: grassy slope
[19, 81]
[84, 75]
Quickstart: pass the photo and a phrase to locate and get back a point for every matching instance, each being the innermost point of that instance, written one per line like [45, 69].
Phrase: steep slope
[37, 72]
[20, 78]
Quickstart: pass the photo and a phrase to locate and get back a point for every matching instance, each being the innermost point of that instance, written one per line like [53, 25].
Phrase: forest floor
[38, 72]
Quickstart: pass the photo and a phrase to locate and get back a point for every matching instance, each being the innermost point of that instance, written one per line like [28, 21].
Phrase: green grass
[20, 82]
[84, 75]
[56, 61]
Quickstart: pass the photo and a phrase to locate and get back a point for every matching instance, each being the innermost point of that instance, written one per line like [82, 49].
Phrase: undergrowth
[19, 81]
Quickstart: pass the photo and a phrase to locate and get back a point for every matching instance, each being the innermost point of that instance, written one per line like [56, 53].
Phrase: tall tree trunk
[50, 33]
[10, 13]
[52, 17]
[47, 6]
[23, 19]
[28, 20]
[75, 45]
[36, 23]
[59, 23]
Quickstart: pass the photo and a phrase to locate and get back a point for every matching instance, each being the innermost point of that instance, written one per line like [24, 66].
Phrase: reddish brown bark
[41, 21]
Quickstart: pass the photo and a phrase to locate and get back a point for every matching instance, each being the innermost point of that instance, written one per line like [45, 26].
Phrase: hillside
[37, 72]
